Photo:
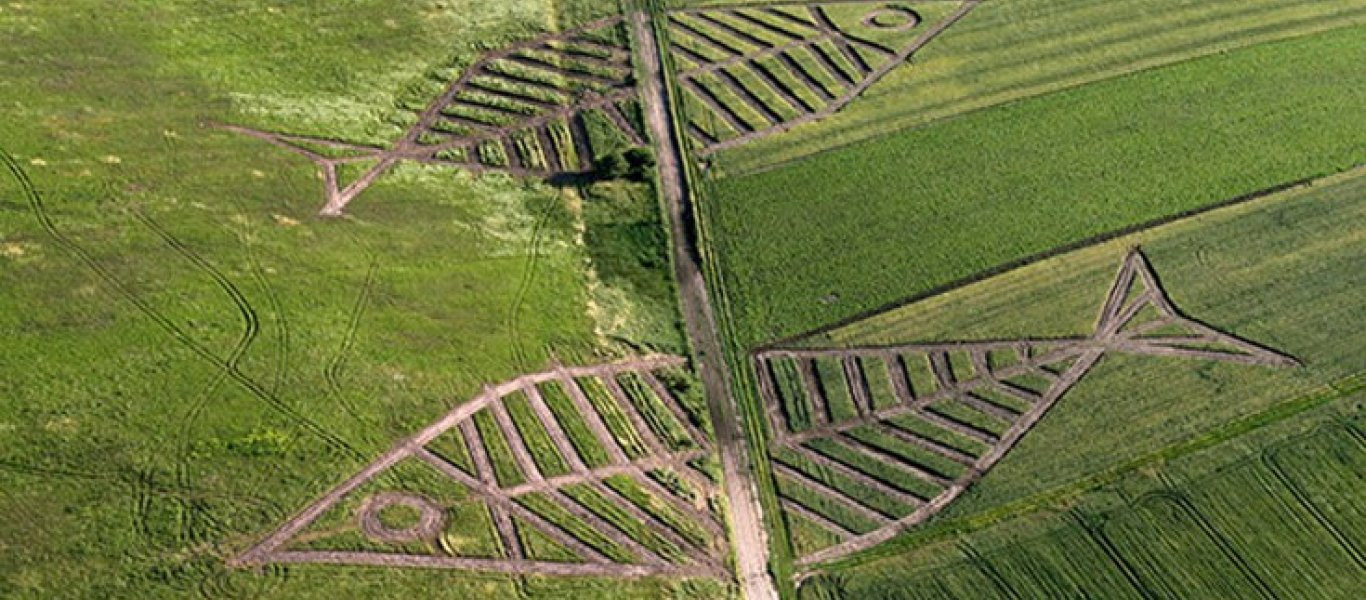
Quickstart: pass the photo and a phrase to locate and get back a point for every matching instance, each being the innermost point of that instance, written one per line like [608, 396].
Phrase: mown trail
[746, 515]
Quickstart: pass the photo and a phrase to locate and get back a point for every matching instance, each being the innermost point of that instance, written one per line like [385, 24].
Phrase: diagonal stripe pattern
[621, 494]
[870, 441]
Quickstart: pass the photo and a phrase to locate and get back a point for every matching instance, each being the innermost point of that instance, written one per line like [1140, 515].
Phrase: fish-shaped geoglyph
[549, 105]
[869, 441]
[593, 470]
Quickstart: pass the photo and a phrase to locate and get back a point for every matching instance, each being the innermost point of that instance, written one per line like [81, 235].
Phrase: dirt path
[748, 536]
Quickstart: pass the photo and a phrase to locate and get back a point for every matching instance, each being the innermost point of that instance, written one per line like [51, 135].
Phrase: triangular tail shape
[1139, 318]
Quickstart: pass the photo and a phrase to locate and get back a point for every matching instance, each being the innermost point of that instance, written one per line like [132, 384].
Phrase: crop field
[1005, 51]
[547, 106]
[682, 299]
[508, 454]
[192, 356]
[752, 72]
[909, 213]
[1199, 380]
[1276, 523]
[990, 392]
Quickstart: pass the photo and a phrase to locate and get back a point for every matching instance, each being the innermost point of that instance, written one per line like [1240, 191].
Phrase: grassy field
[1269, 519]
[850, 230]
[1004, 51]
[191, 355]
[1279, 270]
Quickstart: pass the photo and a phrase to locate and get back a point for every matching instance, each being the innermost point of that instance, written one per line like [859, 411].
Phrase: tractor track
[332, 372]
[36, 204]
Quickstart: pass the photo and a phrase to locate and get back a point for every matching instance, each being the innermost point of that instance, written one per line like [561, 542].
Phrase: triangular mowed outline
[977, 394]
[501, 500]
[1120, 310]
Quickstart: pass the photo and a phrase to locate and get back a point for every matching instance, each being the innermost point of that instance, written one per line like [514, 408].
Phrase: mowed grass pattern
[1280, 270]
[132, 464]
[847, 231]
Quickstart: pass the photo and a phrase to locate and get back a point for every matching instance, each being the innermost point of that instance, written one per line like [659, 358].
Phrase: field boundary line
[1095, 240]
[1040, 94]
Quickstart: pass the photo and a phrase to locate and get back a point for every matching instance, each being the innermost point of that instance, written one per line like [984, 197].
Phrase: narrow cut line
[669, 400]
[691, 55]
[643, 429]
[790, 17]
[492, 498]
[623, 123]
[858, 386]
[943, 375]
[605, 528]
[820, 408]
[516, 442]
[734, 31]
[596, 425]
[708, 97]
[554, 430]
[549, 151]
[860, 476]
[986, 407]
[746, 95]
[927, 444]
[770, 79]
[955, 426]
[820, 520]
[705, 519]
[578, 133]
[701, 135]
[839, 497]
[765, 25]
[696, 33]
[620, 468]
[887, 457]
[696, 552]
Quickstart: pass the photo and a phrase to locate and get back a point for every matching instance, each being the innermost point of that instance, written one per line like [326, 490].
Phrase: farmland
[909, 212]
[1005, 51]
[1309, 232]
[1213, 263]
[549, 510]
[703, 299]
[1259, 523]
[193, 356]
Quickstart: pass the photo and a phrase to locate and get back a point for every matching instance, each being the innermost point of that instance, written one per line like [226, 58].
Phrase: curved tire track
[36, 204]
[332, 372]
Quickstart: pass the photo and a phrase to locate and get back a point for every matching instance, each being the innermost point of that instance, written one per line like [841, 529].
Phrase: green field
[916, 210]
[1229, 522]
[1297, 254]
[1005, 51]
[191, 355]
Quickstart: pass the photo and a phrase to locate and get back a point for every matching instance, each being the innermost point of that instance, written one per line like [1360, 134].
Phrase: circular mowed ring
[891, 17]
[427, 526]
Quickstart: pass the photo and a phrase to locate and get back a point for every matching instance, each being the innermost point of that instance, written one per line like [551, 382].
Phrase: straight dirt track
[747, 528]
